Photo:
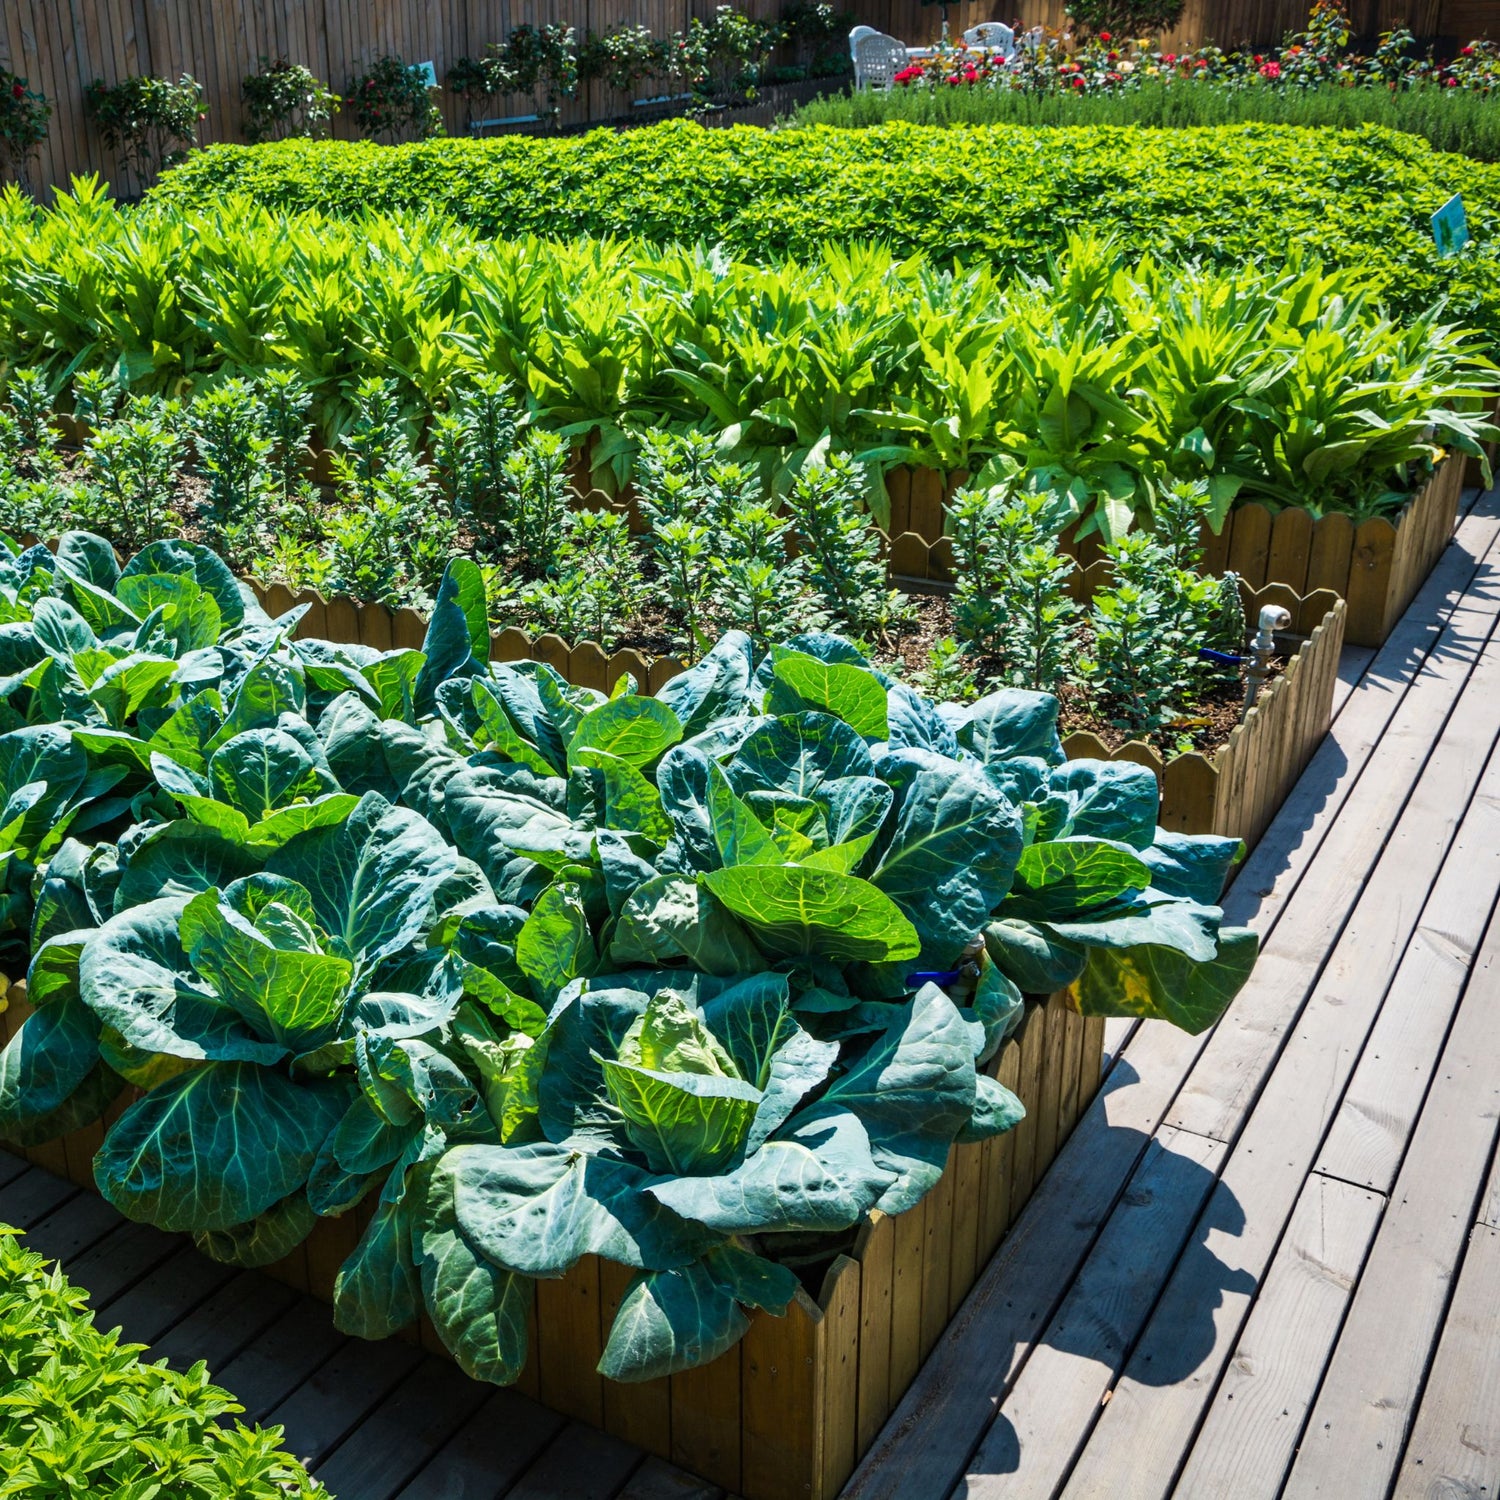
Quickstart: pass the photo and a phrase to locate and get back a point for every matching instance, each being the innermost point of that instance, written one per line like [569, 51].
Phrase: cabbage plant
[534, 972]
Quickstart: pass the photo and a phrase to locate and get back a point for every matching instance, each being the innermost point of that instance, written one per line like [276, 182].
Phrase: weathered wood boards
[791, 1409]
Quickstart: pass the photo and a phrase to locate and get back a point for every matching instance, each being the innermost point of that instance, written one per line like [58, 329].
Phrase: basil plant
[520, 972]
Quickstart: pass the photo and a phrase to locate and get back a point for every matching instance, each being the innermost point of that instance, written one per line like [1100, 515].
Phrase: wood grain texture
[1258, 1411]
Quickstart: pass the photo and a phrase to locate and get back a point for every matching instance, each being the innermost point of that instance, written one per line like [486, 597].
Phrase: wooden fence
[61, 46]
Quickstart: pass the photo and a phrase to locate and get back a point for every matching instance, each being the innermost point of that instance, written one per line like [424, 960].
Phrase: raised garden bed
[1377, 566]
[793, 1407]
[1235, 791]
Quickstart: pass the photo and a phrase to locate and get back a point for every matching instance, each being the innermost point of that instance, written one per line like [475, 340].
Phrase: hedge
[1008, 195]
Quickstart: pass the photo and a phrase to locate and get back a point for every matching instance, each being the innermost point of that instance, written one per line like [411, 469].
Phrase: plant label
[1450, 226]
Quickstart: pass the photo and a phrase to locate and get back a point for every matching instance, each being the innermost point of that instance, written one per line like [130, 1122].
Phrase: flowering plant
[149, 123]
[285, 99]
[393, 102]
[23, 122]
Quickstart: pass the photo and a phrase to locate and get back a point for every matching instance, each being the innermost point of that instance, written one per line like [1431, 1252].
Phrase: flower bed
[699, 984]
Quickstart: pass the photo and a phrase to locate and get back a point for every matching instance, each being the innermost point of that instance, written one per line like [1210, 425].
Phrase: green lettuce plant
[693, 982]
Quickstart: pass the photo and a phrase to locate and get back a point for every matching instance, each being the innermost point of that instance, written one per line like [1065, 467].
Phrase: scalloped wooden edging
[1237, 791]
[793, 1407]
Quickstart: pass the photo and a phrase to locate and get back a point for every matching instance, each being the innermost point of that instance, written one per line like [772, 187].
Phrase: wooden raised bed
[792, 1408]
[1377, 566]
[1235, 793]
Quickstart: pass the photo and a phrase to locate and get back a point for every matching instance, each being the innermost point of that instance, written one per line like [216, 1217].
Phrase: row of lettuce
[692, 982]
[1107, 377]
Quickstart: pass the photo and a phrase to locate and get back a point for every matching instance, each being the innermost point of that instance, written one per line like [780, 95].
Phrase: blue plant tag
[1450, 226]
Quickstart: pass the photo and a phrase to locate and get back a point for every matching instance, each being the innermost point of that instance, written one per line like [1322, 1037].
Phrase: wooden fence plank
[839, 1357]
[937, 1257]
[709, 1410]
[1250, 542]
[781, 1402]
[1332, 547]
[875, 1250]
[1291, 549]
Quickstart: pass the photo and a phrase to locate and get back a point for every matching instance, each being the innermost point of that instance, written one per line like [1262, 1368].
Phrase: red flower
[1105, 37]
[1113, 57]
[18, 91]
[1258, 59]
[1170, 58]
[1201, 63]
[1271, 70]
[1451, 83]
[1078, 83]
[1466, 52]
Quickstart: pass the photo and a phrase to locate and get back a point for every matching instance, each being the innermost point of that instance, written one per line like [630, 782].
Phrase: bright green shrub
[1006, 195]
[81, 1414]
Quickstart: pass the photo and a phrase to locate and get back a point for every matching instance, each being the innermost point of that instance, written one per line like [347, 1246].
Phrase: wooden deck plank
[658, 1480]
[1359, 1424]
[338, 1395]
[1380, 1106]
[488, 1453]
[32, 1196]
[580, 1464]
[1208, 1297]
[393, 1441]
[173, 1289]
[1258, 1411]
[265, 1373]
[1455, 1444]
[120, 1259]
[68, 1231]
[220, 1327]
[1031, 1447]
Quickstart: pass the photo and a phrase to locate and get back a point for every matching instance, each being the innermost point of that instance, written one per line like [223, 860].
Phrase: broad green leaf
[1194, 868]
[671, 1037]
[794, 911]
[538, 1209]
[372, 878]
[752, 1280]
[1102, 799]
[297, 996]
[1161, 983]
[999, 1006]
[259, 1131]
[672, 917]
[377, 1291]
[571, 1095]
[718, 687]
[636, 730]
[623, 798]
[913, 1089]
[798, 754]
[850, 693]
[556, 946]
[1062, 877]
[45, 1063]
[670, 1321]
[269, 1237]
[1036, 960]
[480, 1312]
[135, 976]
[1013, 722]
[948, 853]
[501, 735]
[817, 1176]
[262, 770]
[741, 837]
[996, 1110]
[457, 643]
[683, 1122]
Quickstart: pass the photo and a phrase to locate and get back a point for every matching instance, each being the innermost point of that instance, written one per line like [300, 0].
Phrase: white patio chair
[994, 34]
[877, 58]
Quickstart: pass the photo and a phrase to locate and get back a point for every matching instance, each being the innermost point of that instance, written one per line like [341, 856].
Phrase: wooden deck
[1267, 1263]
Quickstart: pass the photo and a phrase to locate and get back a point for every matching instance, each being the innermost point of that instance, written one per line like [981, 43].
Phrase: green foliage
[473, 443]
[389, 540]
[1004, 195]
[284, 99]
[24, 112]
[83, 1414]
[149, 123]
[229, 428]
[555, 974]
[393, 102]
[1126, 17]
[598, 589]
[134, 462]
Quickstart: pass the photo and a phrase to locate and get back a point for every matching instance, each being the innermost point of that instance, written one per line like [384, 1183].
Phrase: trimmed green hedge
[1009, 195]
[81, 1415]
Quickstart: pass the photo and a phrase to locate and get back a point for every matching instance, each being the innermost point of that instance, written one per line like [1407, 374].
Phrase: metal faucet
[1262, 648]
